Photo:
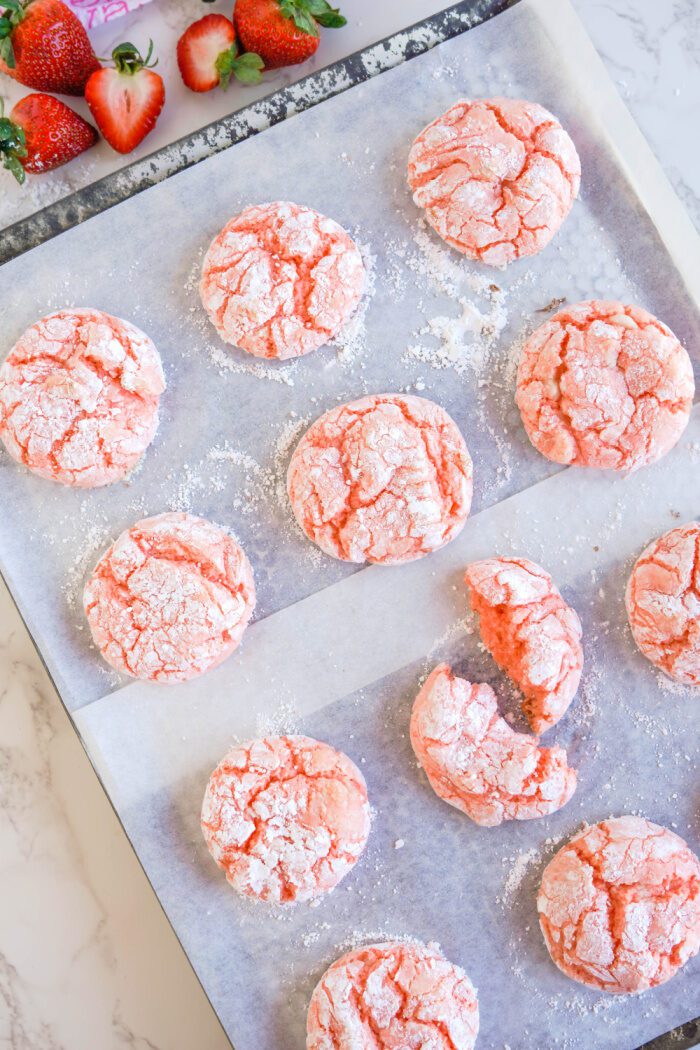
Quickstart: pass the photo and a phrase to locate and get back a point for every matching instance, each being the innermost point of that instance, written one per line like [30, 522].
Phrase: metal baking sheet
[250, 120]
[227, 462]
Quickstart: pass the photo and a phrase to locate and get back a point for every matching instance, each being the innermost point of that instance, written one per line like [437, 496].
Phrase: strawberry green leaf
[7, 52]
[13, 146]
[306, 22]
[127, 58]
[248, 68]
[14, 166]
[13, 11]
[224, 65]
[332, 20]
[325, 15]
[298, 11]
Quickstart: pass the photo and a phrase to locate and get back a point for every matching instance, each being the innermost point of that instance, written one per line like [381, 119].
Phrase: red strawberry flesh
[126, 101]
[44, 46]
[199, 48]
[54, 133]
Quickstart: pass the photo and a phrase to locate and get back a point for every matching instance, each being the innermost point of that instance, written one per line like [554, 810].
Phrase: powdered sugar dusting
[351, 341]
[518, 871]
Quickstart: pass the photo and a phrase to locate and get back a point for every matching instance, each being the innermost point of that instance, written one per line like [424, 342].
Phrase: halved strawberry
[126, 100]
[283, 32]
[207, 55]
[48, 133]
[43, 45]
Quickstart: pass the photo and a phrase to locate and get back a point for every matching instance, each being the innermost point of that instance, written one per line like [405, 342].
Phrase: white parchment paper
[344, 665]
[344, 662]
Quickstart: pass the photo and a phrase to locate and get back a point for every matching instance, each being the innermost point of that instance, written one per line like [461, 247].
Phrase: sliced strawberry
[43, 45]
[126, 100]
[207, 55]
[54, 133]
[283, 32]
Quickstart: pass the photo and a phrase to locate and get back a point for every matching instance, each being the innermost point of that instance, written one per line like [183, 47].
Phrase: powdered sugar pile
[519, 868]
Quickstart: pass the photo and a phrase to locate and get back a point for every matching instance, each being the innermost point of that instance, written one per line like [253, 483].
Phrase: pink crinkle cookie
[393, 996]
[530, 631]
[286, 818]
[496, 177]
[79, 395]
[170, 599]
[281, 280]
[604, 385]
[663, 603]
[619, 905]
[476, 762]
[385, 479]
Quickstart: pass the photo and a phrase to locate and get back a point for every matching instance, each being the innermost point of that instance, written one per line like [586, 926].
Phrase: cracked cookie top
[387, 478]
[619, 905]
[285, 817]
[392, 996]
[605, 385]
[663, 603]
[496, 177]
[281, 280]
[79, 396]
[170, 599]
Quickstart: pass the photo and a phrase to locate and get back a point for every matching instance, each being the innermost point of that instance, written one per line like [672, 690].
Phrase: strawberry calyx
[128, 60]
[11, 14]
[308, 15]
[247, 67]
[13, 146]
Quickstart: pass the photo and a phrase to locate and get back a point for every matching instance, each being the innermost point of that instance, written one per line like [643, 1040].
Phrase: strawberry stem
[127, 58]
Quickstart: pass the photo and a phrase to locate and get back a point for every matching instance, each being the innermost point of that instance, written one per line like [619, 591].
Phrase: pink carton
[94, 13]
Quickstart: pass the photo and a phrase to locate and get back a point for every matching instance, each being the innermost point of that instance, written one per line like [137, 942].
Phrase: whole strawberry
[126, 99]
[43, 45]
[208, 56]
[42, 133]
[283, 32]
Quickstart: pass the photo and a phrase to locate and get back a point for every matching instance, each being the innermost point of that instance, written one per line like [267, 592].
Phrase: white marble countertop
[87, 958]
